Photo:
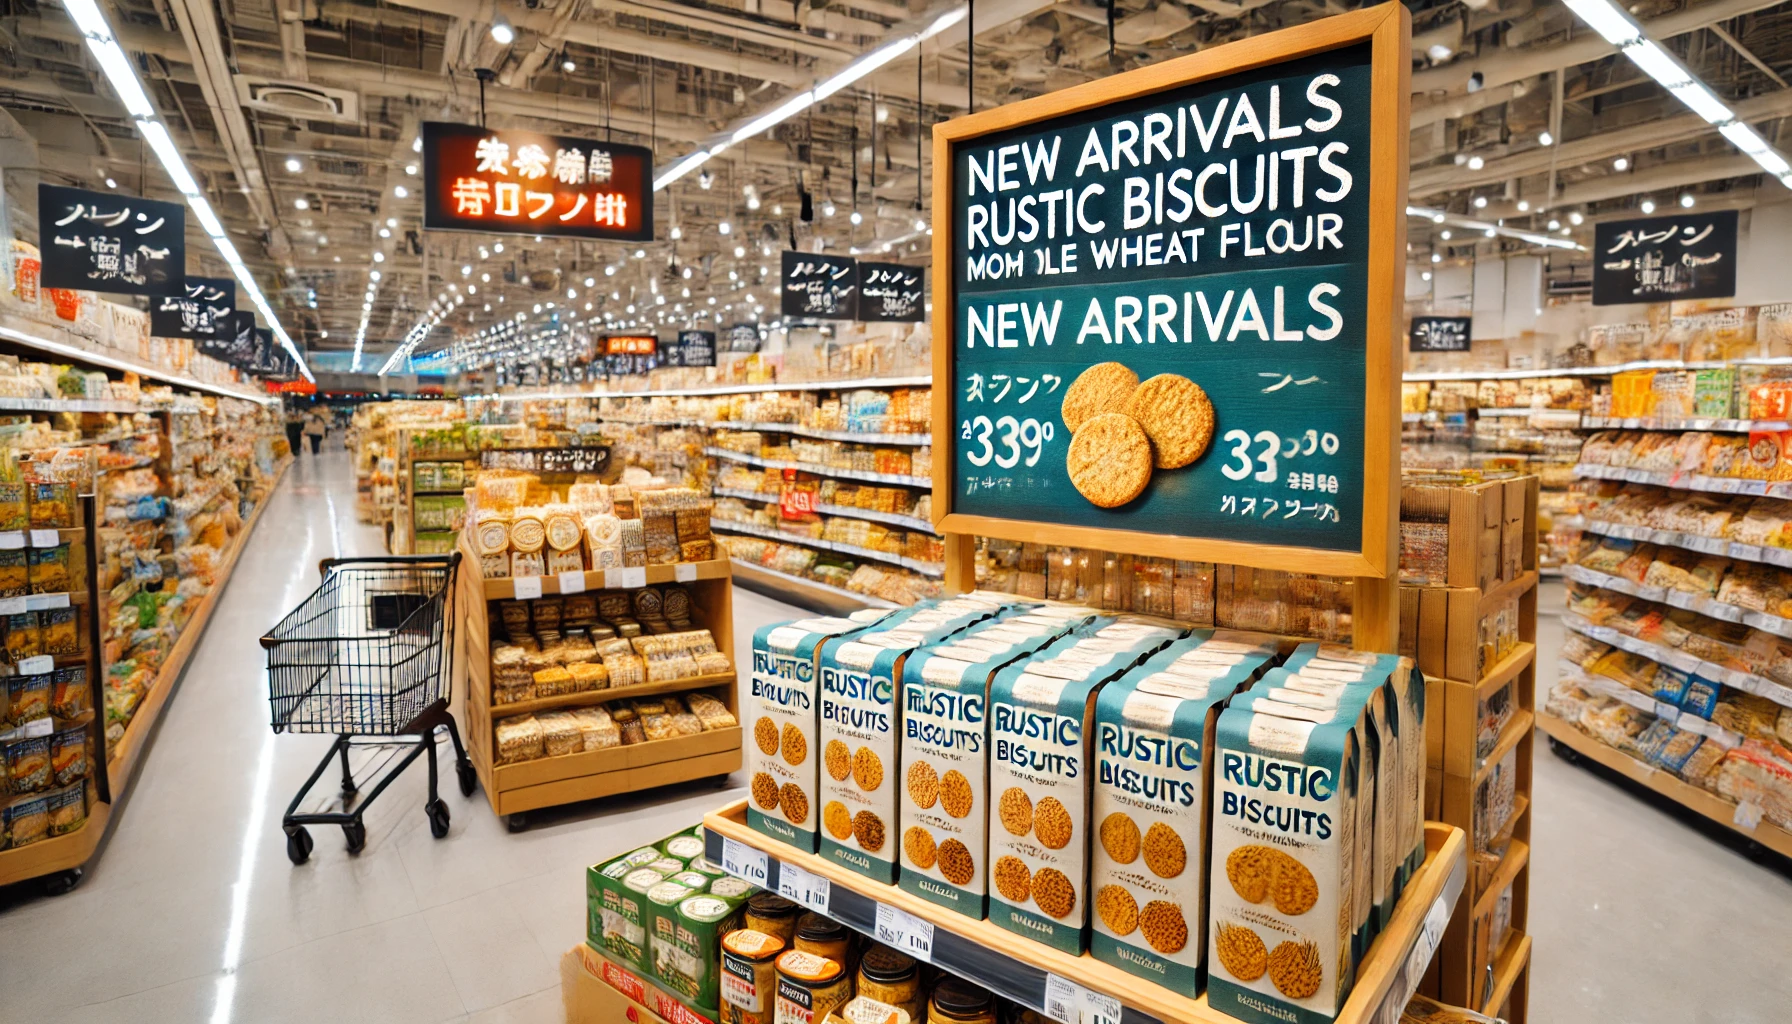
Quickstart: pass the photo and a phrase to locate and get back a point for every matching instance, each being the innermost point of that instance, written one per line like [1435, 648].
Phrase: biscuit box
[945, 752]
[783, 706]
[1282, 882]
[1039, 777]
[1152, 790]
[860, 741]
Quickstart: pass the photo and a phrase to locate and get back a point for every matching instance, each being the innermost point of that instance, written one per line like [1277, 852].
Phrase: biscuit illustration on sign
[956, 795]
[1176, 415]
[1165, 854]
[1016, 810]
[917, 844]
[1294, 889]
[956, 863]
[1051, 823]
[868, 829]
[765, 733]
[867, 769]
[1259, 873]
[796, 746]
[1249, 869]
[765, 790]
[1122, 430]
[837, 819]
[1053, 893]
[1120, 837]
[1104, 387]
[1118, 910]
[923, 784]
[795, 803]
[1164, 926]
[1013, 880]
[838, 757]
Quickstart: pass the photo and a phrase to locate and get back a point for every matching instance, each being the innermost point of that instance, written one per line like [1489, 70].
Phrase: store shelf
[67, 405]
[924, 380]
[504, 587]
[1518, 854]
[934, 569]
[1514, 733]
[804, 591]
[1607, 687]
[1514, 957]
[1744, 681]
[1528, 411]
[439, 491]
[1721, 426]
[892, 479]
[36, 336]
[1016, 967]
[919, 440]
[1582, 371]
[848, 511]
[58, 853]
[1507, 669]
[1781, 557]
[610, 693]
[1687, 481]
[1777, 625]
[1683, 793]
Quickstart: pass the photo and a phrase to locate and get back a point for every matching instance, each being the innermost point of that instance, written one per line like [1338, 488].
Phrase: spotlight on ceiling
[1621, 164]
[111, 183]
[293, 165]
[502, 32]
[1647, 206]
[1686, 199]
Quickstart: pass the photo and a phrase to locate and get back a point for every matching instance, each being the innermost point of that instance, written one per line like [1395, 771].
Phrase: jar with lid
[960, 1002]
[824, 936]
[810, 987]
[749, 981]
[774, 915]
[891, 977]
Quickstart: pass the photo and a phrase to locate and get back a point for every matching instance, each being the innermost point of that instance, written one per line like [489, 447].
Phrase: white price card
[743, 861]
[12, 606]
[45, 602]
[45, 538]
[11, 540]
[1070, 1003]
[1666, 711]
[634, 577]
[804, 887]
[572, 581]
[42, 663]
[527, 588]
[1748, 815]
[684, 572]
[902, 930]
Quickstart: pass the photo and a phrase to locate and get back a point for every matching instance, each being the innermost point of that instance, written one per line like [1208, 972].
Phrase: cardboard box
[1448, 640]
[596, 990]
[1475, 517]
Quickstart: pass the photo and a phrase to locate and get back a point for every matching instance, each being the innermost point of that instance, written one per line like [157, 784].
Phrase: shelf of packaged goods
[933, 569]
[1665, 783]
[1645, 702]
[1778, 625]
[122, 759]
[1714, 424]
[57, 853]
[1017, 968]
[37, 336]
[504, 587]
[610, 693]
[920, 381]
[1747, 682]
[1687, 481]
[866, 476]
[1526, 411]
[438, 491]
[805, 591]
[1514, 957]
[1589, 371]
[1766, 555]
[1510, 737]
[850, 512]
[918, 440]
[1513, 587]
[1507, 668]
[586, 775]
[67, 405]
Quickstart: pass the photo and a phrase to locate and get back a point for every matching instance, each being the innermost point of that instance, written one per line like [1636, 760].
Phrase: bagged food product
[15, 573]
[518, 739]
[26, 821]
[712, 713]
[68, 756]
[560, 733]
[27, 764]
[59, 631]
[71, 696]
[28, 698]
[66, 809]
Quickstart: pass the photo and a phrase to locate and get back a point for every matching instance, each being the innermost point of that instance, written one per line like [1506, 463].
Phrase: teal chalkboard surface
[1218, 227]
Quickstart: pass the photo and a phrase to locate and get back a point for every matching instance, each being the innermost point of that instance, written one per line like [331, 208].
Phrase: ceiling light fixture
[1621, 164]
[293, 165]
[1647, 206]
[1475, 163]
[1686, 199]
[1545, 139]
[301, 203]
[502, 32]
[400, 191]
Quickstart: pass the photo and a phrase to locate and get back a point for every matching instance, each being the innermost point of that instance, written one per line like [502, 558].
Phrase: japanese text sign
[204, 308]
[1660, 259]
[236, 345]
[693, 348]
[743, 338]
[593, 459]
[1166, 321]
[108, 242]
[819, 286]
[528, 183]
[1439, 333]
[891, 292]
[630, 345]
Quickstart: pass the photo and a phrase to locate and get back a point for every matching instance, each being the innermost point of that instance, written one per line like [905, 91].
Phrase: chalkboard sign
[743, 338]
[1439, 334]
[1661, 259]
[594, 459]
[819, 286]
[891, 292]
[1194, 264]
[692, 348]
[203, 309]
[110, 242]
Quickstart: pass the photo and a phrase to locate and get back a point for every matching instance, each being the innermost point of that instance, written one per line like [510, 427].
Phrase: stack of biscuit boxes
[1039, 776]
[1312, 831]
[860, 736]
[1152, 791]
[784, 707]
[945, 751]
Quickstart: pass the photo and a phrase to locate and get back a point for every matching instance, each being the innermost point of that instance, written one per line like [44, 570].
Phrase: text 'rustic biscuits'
[838, 757]
[917, 843]
[837, 819]
[923, 784]
[1053, 893]
[1120, 838]
[795, 802]
[765, 790]
[1013, 880]
[1051, 824]
[796, 746]
[765, 733]
[1109, 461]
[956, 863]
[1165, 853]
[1016, 811]
[867, 769]
[1176, 415]
[1104, 387]
[1118, 910]
[956, 795]
[1241, 952]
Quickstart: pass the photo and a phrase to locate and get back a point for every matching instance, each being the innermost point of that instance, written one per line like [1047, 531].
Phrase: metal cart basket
[363, 657]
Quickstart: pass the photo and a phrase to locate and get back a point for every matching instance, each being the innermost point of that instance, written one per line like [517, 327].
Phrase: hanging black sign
[693, 348]
[528, 183]
[891, 292]
[819, 286]
[107, 242]
[203, 309]
[743, 338]
[237, 345]
[1438, 334]
[594, 459]
[1661, 259]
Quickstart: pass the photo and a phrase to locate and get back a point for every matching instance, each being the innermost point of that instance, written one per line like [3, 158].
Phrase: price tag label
[45, 538]
[572, 581]
[743, 861]
[1070, 1003]
[527, 587]
[902, 930]
[684, 572]
[12, 606]
[634, 577]
[1667, 712]
[37, 666]
[12, 540]
[804, 887]
[1747, 816]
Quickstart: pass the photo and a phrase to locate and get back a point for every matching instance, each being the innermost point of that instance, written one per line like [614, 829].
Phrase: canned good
[774, 915]
[810, 987]
[749, 976]
[959, 1002]
[824, 937]
[891, 977]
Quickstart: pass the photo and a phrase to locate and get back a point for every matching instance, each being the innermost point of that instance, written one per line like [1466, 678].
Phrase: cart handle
[451, 560]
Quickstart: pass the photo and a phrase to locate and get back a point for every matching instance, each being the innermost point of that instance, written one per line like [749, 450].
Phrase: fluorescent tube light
[88, 18]
[122, 76]
[945, 21]
[1607, 20]
[678, 170]
[1658, 64]
[158, 139]
[1744, 138]
[864, 66]
[775, 116]
[1702, 102]
[207, 219]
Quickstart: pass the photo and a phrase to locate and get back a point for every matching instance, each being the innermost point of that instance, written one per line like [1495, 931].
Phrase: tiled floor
[193, 913]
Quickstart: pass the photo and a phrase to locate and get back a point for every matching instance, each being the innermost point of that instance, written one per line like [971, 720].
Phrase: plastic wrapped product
[579, 648]
[527, 533]
[524, 563]
[508, 668]
[519, 739]
[59, 631]
[13, 513]
[68, 755]
[15, 574]
[580, 611]
[711, 712]
[634, 543]
[27, 821]
[658, 726]
[516, 617]
[562, 527]
[502, 695]
[588, 675]
[632, 733]
[603, 535]
[71, 696]
[28, 698]
[565, 561]
[24, 638]
[589, 498]
[28, 764]
[52, 505]
[552, 682]
[560, 733]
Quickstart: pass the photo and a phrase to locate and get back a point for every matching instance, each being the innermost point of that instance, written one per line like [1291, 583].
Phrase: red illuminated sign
[630, 345]
[528, 183]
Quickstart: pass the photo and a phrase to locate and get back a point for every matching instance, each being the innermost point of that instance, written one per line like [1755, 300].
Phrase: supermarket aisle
[193, 912]
[1628, 890]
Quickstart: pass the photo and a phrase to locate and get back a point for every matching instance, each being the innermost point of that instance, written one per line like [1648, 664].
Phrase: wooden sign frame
[1388, 30]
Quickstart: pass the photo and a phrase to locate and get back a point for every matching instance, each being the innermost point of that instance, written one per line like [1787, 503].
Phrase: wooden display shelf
[1016, 967]
[527, 785]
[1513, 734]
[610, 693]
[1683, 793]
[806, 593]
[1513, 962]
[1518, 855]
[501, 588]
[60, 853]
[1508, 668]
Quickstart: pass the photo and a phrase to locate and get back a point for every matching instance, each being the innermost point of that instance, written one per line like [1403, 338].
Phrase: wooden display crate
[515, 789]
[1490, 530]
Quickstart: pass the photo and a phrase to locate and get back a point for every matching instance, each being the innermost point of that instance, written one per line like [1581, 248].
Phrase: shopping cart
[363, 657]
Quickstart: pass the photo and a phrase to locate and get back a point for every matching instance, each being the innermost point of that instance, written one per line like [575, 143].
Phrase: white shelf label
[684, 572]
[743, 861]
[903, 931]
[572, 581]
[1070, 1003]
[804, 887]
[12, 606]
[1666, 711]
[37, 666]
[11, 540]
[45, 538]
[527, 588]
[634, 577]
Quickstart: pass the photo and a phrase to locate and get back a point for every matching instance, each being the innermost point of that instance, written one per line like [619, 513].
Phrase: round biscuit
[1120, 837]
[1165, 853]
[1241, 951]
[956, 795]
[1249, 869]
[837, 819]
[796, 746]
[1178, 417]
[956, 863]
[765, 733]
[923, 784]
[917, 845]
[1295, 968]
[1118, 910]
[795, 803]
[1293, 889]
[1012, 879]
[838, 757]
[1101, 388]
[867, 769]
[1164, 926]
[1109, 461]
[1053, 893]
[1016, 811]
[868, 829]
[1051, 824]
[765, 791]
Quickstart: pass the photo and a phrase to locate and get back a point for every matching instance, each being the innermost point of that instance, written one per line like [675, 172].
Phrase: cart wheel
[62, 882]
[469, 779]
[298, 845]
[356, 834]
[516, 822]
[1564, 751]
[438, 818]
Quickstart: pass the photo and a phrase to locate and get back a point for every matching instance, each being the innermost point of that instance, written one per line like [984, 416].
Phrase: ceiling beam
[1660, 178]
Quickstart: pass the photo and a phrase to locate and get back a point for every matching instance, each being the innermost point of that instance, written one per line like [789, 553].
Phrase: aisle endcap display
[1017, 968]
